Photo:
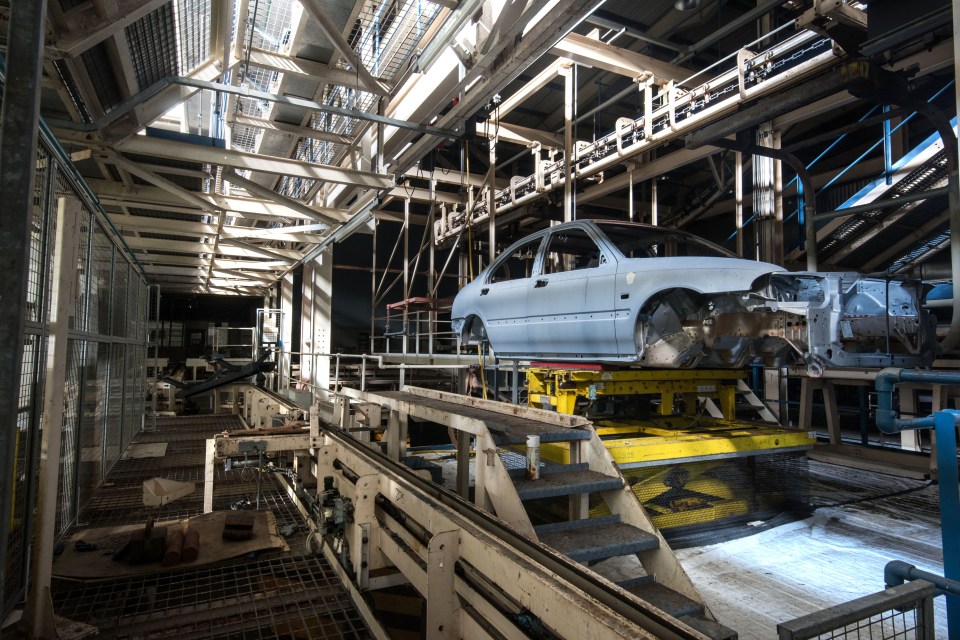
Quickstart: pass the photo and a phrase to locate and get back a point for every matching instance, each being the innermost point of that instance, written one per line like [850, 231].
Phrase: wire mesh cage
[100, 374]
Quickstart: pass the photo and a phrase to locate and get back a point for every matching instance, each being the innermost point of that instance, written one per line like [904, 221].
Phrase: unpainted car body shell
[685, 311]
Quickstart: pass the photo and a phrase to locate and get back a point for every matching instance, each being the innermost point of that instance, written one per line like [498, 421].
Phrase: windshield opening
[643, 242]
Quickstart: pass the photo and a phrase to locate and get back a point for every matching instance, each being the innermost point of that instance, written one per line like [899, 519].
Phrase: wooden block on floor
[238, 525]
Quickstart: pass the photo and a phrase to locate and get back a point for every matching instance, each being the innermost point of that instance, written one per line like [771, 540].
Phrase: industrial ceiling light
[686, 5]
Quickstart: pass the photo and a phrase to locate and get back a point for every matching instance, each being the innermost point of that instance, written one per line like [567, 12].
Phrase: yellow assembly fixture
[687, 455]
[560, 389]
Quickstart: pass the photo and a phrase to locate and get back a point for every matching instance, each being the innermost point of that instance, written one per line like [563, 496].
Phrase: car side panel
[571, 314]
[640, 279]
[503, 309]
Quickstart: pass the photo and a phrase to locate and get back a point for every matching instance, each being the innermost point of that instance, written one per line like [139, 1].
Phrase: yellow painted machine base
[685, 468]
[677, 439]
[560, 389]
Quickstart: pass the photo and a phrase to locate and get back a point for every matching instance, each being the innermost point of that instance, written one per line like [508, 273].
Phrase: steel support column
[738, 194]
[945, 427]
[491, 183]
[568, 115]
[19, 128]
[654, 213]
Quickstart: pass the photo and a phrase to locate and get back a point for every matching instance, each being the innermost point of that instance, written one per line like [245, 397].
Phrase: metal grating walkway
[291, 594]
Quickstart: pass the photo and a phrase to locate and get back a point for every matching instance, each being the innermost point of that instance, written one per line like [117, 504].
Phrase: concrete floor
[838, 554]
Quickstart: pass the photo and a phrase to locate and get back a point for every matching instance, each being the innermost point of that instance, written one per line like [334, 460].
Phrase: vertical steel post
[738, 190]
[631, 207]
[654, 214]
[568, 81]
[406, 281]
[373, 286]
[431, 285]
[491, 181]
[19, 128]
[801, 217]
[887, 148]
[946, 438]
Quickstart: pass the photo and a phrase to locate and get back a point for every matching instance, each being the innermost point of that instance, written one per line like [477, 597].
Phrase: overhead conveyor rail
[669, 112]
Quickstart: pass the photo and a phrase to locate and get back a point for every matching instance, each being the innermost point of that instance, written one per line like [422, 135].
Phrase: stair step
[632, 583]
[596, 538]
[549, 467]
[570, 525]
[709, 628]
[667, 599]
[566, 483]
[504, 434]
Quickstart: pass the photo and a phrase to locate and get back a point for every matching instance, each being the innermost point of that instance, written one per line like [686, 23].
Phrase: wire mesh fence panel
[78, 321]
[93, 414]
[18, 536]
[69, 439]
[903, 612]
[99, 366]
[132, 402]
[120, 297]
[115, 380]
[37, 267]
[101, 281]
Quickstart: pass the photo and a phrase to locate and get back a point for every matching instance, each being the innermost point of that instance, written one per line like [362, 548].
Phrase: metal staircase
[502, 487]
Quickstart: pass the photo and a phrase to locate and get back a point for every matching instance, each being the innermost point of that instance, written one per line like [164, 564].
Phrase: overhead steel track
[668, 115]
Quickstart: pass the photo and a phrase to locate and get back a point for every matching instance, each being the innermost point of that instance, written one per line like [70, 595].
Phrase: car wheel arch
[652, 303]
[474, 330]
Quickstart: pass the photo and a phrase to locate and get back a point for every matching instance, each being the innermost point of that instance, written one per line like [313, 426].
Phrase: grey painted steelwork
[19, 122]
[137, 100]
[623, 292]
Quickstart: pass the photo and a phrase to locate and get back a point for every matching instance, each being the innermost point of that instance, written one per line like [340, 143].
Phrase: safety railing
[903, 612]
[424, 333]
[358, 369]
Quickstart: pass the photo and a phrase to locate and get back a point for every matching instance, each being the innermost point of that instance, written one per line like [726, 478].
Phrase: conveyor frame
[481, 575]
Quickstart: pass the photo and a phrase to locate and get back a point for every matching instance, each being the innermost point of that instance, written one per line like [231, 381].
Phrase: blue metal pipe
[887, 379]
[897, 572]
[948, 480]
